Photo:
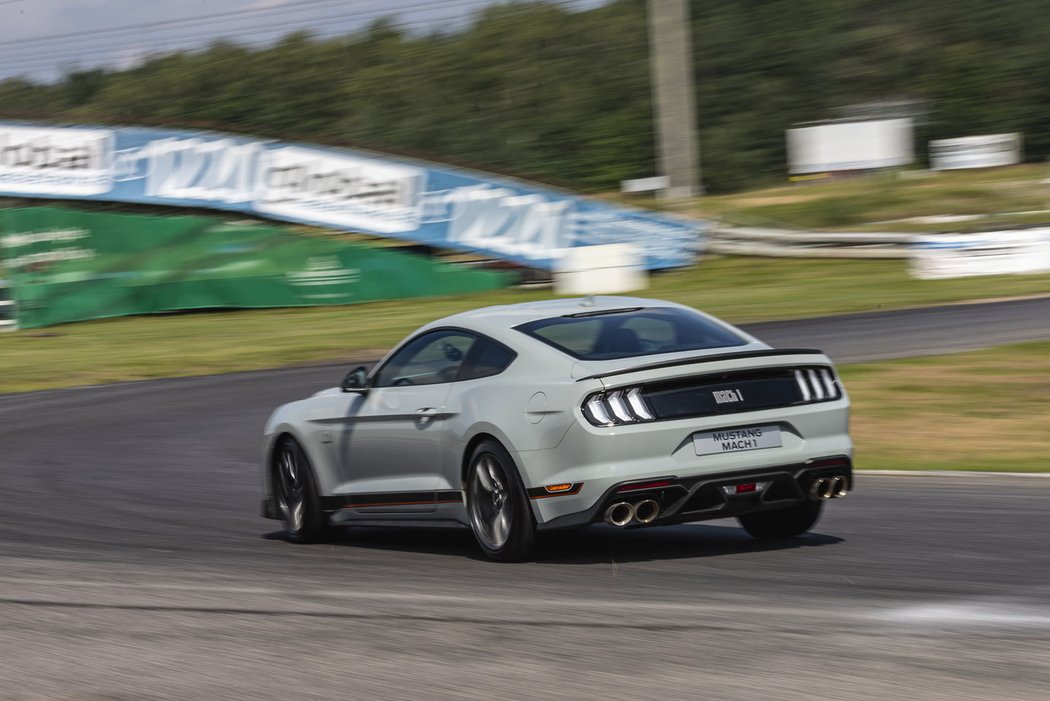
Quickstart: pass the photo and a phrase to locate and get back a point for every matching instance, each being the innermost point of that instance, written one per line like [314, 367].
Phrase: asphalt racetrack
[134, 567]
[856, 338]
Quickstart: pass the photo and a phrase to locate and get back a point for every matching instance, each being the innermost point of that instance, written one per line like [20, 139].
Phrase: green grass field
[738, 289]
[867, 203]
[984, 410]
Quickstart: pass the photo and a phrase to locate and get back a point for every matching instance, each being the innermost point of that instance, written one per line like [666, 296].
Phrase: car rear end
[686, 436]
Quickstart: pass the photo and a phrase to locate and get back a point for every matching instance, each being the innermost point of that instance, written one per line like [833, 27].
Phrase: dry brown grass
[985, 410]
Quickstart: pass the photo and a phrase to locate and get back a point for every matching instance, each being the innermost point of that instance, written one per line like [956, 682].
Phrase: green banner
[69, 265]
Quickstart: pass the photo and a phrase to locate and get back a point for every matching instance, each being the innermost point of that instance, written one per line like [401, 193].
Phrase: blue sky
[39, 37]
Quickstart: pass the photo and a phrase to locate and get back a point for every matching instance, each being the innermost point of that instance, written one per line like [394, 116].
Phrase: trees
[536, 90]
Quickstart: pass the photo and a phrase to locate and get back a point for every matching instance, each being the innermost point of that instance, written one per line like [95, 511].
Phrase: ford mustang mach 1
[524, 418]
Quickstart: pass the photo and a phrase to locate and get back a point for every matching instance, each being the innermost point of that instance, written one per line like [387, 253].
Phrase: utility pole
[674, 111]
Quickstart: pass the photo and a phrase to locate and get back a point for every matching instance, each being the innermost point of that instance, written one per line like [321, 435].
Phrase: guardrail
[8, 320]
[754, 241]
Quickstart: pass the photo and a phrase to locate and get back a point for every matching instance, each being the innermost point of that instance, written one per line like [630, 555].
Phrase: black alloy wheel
[295, 490]
[500, 515]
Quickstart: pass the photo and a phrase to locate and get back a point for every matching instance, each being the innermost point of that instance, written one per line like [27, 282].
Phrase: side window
[487, 358]
[431, 359]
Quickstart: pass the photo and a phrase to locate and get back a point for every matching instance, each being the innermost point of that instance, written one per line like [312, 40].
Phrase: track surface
[852, 338]
[133, 567]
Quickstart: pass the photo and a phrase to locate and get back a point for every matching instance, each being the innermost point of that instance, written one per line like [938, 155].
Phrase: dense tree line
[536, 90]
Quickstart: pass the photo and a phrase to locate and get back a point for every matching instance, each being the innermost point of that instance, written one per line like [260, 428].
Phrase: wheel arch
[481, 434]
[270, 459]
[274, 440]
[471, 446]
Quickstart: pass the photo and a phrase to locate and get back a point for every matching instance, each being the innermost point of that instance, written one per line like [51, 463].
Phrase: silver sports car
[532, 417]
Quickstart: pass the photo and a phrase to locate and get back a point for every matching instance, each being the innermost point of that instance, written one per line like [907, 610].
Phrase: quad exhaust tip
[646, 511]
[623, 513]
[619, 514]
[828, 488]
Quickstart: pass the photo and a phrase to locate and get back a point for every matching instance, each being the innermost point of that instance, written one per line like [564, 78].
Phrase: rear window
[626, 333]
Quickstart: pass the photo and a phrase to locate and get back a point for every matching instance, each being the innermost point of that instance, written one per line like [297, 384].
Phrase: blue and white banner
[340, 189]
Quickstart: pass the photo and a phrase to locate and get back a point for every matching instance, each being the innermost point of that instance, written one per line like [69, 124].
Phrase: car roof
[507, 316]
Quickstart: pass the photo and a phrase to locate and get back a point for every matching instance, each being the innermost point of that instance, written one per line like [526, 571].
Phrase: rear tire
[782, 523]
[295, 492]
[499, 511]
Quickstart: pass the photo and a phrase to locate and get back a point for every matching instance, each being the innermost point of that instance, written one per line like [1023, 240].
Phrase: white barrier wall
[988, 151]
[600, 270]
[842, 146]
[991, 253]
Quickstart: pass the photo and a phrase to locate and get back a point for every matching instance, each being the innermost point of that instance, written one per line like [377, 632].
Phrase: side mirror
[356, 380]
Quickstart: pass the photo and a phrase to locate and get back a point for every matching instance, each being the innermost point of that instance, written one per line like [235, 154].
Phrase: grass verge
[982, 410]
[860, 203]
[737, 289]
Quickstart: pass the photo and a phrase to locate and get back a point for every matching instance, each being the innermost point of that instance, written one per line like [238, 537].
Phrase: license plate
[735, 440]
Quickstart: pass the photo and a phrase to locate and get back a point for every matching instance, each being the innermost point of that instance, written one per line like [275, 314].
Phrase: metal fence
[753, 241]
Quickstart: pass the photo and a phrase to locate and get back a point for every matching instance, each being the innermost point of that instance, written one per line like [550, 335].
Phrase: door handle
[424, 416]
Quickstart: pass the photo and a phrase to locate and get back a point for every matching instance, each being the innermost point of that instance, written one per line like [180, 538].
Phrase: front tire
[782, 523]
[295, 491]
[500, 515]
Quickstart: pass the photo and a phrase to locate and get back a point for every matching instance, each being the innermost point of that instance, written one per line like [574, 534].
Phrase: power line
[373, 14]
[281, 9]
[256, 32]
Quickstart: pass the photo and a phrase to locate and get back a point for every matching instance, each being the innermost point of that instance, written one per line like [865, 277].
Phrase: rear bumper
[598, 459]
[701, 498]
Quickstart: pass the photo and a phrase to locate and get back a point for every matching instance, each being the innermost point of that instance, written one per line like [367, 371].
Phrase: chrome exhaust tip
[619, 514]
[646, 511]
[838, 487]
[822, 488]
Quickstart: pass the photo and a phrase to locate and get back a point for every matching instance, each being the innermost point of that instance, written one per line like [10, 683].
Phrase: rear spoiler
[706, 359]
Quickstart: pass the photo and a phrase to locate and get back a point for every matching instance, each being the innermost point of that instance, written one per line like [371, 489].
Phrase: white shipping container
[844, 146]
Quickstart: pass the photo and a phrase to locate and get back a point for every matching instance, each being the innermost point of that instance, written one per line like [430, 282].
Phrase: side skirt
[388, 499]
[437, 523]
[447, 507]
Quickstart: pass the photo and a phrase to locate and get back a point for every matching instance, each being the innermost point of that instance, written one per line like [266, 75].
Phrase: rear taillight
[817, 384]
[618, 406]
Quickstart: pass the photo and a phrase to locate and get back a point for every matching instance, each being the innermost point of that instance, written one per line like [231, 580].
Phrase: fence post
[8, 318]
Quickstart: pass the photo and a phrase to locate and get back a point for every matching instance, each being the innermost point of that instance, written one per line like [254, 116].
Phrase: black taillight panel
[709, 395]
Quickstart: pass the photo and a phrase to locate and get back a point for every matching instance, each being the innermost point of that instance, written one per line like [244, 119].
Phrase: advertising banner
[55, 162]
[987, 151]
[68, 265]
[1020, 252]
[340, 189]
